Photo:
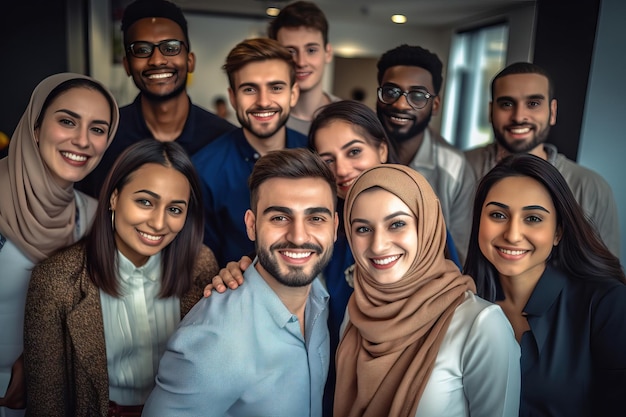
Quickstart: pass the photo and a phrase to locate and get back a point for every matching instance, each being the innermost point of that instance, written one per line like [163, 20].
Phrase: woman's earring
[112, 219]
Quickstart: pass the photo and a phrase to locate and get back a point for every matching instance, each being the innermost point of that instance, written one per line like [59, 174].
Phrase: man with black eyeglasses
[409, 81]
[158, 57]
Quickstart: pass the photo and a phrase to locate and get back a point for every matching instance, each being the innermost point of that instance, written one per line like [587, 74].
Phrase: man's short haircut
[293, 163]
[257, 50]
[412, 56]
[141, 9]
[300, 14]
[524, 68]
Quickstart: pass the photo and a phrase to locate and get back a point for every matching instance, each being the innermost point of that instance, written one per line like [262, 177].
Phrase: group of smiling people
[533, 325]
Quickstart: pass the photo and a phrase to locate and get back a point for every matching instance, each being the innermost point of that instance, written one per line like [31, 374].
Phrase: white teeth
[161, 75]
[347, 183]
[399, 119]
[151, 237]
[520, 131]
[266, 114]
[512, 252]
[386, 261]
[74, 157]
[297, 255]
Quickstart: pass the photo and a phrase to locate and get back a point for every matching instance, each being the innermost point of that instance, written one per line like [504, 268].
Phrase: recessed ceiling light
[398, 18]
[272, 11]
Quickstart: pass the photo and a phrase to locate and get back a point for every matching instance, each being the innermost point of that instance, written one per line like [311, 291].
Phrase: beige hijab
[389, 347]
[36, 213]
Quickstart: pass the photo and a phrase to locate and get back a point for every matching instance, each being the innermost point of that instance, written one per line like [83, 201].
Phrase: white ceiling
[422, 13]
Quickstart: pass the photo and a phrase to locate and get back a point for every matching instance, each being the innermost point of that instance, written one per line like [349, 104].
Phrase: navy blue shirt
[224, 167]
[574, 355]
[201, 128]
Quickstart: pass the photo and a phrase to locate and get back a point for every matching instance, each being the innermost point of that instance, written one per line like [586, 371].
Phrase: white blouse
[137, 326]
[477, 369]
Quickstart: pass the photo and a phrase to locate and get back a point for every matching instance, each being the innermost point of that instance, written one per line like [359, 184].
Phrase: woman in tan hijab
[69, 122]
[417, 340]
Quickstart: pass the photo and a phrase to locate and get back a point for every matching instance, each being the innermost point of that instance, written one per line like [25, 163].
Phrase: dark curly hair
[413, 56]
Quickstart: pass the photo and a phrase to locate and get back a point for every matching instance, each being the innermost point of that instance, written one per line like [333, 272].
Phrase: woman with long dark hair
[534, 252]
[98, 314]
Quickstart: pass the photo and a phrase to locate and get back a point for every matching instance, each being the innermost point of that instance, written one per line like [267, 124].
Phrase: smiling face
[401, 121]
[347, 152]
[158, 77]
[73, 134]
[521, 112]
[383, 234]
[309, 53]
[294, 229]
[263, 97]
[150, 210]
[518, 228]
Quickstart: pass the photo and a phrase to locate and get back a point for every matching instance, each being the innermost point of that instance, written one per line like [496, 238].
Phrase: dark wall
[37, 48]
[564, 41]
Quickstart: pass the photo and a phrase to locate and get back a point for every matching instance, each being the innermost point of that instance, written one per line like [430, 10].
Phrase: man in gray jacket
[523, 107]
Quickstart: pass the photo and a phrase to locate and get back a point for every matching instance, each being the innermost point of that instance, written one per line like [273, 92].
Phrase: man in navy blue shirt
[262, 90]
[159, 59]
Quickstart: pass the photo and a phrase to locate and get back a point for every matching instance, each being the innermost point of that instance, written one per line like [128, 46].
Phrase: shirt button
[256, 156]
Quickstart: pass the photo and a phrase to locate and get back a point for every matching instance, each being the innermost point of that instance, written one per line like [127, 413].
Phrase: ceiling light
[272, 11]
[398, 18]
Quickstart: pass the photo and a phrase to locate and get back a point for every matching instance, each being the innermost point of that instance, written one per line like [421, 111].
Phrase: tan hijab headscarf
[36, 213]
[389, 347]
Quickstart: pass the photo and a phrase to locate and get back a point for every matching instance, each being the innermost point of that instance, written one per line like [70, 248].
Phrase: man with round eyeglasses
[158, 57]
[409, 79]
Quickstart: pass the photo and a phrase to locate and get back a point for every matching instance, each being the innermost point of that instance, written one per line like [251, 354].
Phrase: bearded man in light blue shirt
[262, 350]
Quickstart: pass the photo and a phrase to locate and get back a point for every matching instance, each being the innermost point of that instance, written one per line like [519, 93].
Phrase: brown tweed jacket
[64, 346]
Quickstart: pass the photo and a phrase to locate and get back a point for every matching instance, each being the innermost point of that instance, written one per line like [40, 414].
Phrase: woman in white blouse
[418, 341]
[98, 314]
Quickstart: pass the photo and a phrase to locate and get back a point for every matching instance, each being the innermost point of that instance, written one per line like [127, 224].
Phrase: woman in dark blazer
[98, 314]
[533, 252]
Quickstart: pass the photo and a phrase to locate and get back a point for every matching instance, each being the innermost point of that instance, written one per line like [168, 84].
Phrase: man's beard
[161, 98]
[395, 132]
[522, 147]
[295, 277]
[246, 124]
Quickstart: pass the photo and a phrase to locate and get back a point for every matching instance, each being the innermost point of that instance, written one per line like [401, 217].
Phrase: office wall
[603, 143]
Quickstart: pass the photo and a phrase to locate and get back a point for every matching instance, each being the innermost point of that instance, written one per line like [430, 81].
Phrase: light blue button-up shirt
[242, 353]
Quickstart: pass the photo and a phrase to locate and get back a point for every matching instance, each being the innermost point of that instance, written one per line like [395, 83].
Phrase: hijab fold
[36, 213]
[389, 348]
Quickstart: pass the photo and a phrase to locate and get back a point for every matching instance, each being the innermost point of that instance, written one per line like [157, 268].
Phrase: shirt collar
[317, 301]
[151, 270]
[551, 152]
[425, 158]
[544, 295]
[247, 152]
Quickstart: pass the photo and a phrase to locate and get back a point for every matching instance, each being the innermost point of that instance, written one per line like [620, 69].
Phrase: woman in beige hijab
[69, 122]
[417, 340]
